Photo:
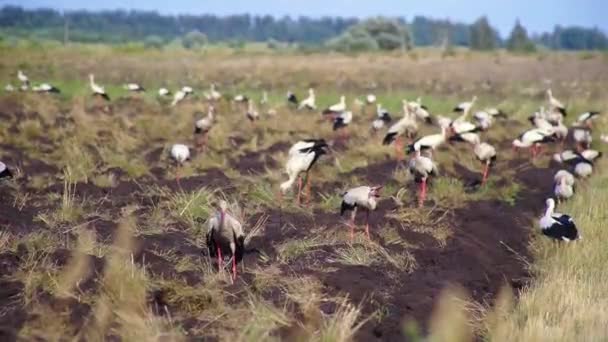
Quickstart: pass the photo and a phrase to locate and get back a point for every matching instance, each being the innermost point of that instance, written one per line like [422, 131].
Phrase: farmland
[99, 241]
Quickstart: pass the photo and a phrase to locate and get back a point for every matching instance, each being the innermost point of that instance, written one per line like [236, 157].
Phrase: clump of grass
[192, 208]
[448, 191]
[342, 325]
[356, 255]
[296, 248]
[30, 129]
[449, 321]
[265, 319]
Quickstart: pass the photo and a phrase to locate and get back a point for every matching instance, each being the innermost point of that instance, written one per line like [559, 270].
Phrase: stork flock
[225, 230]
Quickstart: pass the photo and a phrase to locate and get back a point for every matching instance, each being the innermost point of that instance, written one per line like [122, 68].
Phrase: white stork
[557, 226]
[98, 91]
[336, 108]
[240, 98]
[429, 142]
[309, 103]
[181, 94]
[342, 121]
[486, 154]
[202, 128]
[225, 233]
[582, 136]
[465, 107]
[162, 92]
[46, 88]
[180, 154]
[22, 78]
[533, 139]
[364, 197]
[9, 88]
[421, 168]
[213, 94]
[252, 114]
[421, 112]
[370, 99]
[134, 87]
[405, 126]
[555, 104]
[383, 117]
[563, 185]
[587, 118]
[302, 157]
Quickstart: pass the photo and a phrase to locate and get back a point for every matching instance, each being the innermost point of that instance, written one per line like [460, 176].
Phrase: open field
[98, 240]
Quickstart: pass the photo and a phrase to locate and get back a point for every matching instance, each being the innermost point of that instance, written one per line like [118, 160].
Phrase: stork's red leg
[422, 192]
[299, 188]
[352, 224]
[367, 224]
[307, 188]
[485, 173]
[233, 267]
[219, 257]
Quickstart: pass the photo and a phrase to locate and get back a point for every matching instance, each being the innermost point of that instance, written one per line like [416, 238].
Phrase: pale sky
[536, 15]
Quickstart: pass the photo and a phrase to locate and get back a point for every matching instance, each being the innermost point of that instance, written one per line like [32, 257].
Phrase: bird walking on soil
[422, 168]
[225, 233]
[364, 197]
[558, 226]
[302, 157]
[180, 154]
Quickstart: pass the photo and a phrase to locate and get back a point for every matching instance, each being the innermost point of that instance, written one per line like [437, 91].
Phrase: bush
[373, 34]
[194, 40]
[154, 42]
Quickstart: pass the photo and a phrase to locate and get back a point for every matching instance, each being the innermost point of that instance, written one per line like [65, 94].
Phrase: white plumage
[204, 125]
[252, 113]
[429, 142]
[582, 136]
[383, 117]
[421, 167]
[364, 197]
[338, 107]
[420, 111]
[555, 104]
[9, 88]
[302, 157]
[22, 77]
[46, 88]
[486, 154]
[564, 185]
[180, 153]
[162, 92]
[587, 117]
[342, 120]
[213, 94]
[225, 231]
[533, 138]
[465, 106]
[370, 99]
[5, 172]
[309, 102]
[583, 169]
[134, 87]
[556, 225]
[97, 89]
[180, 95]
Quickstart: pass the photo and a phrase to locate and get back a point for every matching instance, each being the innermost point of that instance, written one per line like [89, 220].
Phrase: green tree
[518, 40]
[483, 36]
[154, 42]
[194, 40]
[372, 34]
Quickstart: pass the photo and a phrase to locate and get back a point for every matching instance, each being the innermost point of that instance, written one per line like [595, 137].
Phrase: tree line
[338, 33]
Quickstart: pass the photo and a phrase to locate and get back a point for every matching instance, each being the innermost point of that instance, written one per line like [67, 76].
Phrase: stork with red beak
[225, 233]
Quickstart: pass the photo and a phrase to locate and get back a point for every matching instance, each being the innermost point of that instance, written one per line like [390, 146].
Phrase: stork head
[550, 202]
[375, 191]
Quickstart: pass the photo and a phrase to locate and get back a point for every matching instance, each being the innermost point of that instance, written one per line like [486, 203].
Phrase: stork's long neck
[222, 217]
[550, 209]
[289, 183]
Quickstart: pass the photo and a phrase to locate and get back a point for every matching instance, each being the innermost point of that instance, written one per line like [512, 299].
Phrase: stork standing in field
[555, 104]
[341, 123]
[23, 78]
[587, 118]
[240, 98]
[582, 136]
[406, 126]
[563, 187]
[370, 99]
[421, 112]
[252, 114]
[180, 154]
[5, 172]
[485, 118]
[539, 119]
[9, 88]
[225, 233]
[486, 154]
[302, 157]
[557, 226]
[465, 107]
[383, 117]
[429, 142]
[134, 87]
[364, 197]
[336, 109]
[309, 103]
[98, 91]
[533, 139]
[181, 94]
[213, 94]
[202, 128]
[163, 92]
[46, 88]
[422, 168]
